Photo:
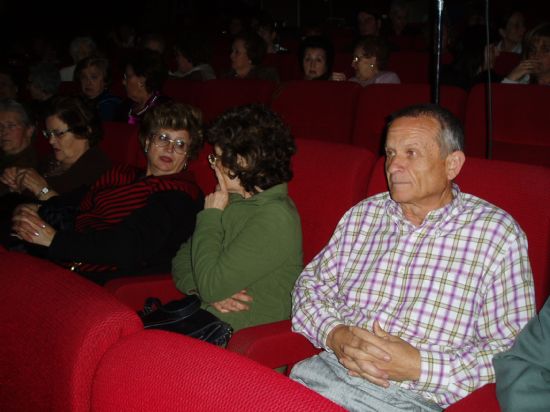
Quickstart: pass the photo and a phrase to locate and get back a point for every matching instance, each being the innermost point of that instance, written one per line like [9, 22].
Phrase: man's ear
[454, 163]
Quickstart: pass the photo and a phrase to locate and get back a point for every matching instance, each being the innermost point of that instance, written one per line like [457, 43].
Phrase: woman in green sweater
[246, 251]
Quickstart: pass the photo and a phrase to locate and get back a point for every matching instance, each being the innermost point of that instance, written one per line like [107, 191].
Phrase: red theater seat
[410, 66]
[378, 101]
[521, 131]
[321, 110]
[161, 371]
[121, 143]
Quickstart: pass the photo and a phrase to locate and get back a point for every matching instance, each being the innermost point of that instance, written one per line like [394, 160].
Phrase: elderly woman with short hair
[246, 252]
[93, 74]
[74, 131]
[131, 221]
[247, 53]
[370, 59]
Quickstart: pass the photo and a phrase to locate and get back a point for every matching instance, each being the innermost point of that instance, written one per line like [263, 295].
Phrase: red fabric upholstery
[218, 95]
[56, 327]
[410, 66]
[482, 400]
[506, 62]
[184, 91]
[161, 371]
[521, 131]
[273, 345]
[521, 190]
[329, 178]
[121, 143]
[342, 63]
[322, 110]
[133, 291]
[378, 101]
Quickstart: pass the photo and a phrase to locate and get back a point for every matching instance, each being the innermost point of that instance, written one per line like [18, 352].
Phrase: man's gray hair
[451, 135]
[12, 106]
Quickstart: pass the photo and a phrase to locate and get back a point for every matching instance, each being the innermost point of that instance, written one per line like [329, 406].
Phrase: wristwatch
[44, 191]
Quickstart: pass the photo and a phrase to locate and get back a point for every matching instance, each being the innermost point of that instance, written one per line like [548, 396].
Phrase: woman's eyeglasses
[212, 159]
[163, 140]
[48, 134]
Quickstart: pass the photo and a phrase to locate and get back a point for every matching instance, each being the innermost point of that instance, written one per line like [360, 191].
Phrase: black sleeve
[150, 234]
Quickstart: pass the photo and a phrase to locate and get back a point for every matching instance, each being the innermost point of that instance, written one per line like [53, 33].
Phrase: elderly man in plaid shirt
[419, 287]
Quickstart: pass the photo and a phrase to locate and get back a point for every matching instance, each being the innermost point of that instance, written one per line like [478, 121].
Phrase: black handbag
[185, 316]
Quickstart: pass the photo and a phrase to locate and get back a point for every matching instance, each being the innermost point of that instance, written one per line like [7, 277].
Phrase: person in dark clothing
[131, 221]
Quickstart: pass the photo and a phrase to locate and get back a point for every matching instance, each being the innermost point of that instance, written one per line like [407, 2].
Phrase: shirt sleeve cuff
[433, 376]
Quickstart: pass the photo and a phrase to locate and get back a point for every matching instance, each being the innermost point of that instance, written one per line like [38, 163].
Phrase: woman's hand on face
[27, 225]
[219, 198]
[525, 67]
[236, 303]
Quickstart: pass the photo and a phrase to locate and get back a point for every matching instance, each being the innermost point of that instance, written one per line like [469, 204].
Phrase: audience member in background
[316, 58]
[246, 251]
[247, 52]
[131, 221]
[369, 21]
[523, 372]
[191, 54]
[399, 33]
[94, 76]
[16, 133]
[74, 130]
[43, 85]
[370, 58]
[80, 48]
[144, 75]
[418, 287]
[154, 42]
[535, 67]
[511, 27]
[268, 32]
[8, 84]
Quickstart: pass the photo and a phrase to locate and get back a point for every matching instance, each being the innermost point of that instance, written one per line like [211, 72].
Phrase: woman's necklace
[133, 117]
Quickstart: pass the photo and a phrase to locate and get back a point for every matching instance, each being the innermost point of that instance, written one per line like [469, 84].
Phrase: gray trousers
[325, 375]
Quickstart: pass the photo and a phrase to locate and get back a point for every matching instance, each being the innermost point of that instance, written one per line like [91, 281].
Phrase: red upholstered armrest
[134, 290]
[482, 400]
[273, 345]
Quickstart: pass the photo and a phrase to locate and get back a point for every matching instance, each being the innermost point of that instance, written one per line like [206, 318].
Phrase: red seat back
[329, 178]
[56, 327]
[410, 66]
[521, 190]
[163, 371]
[322, 110]
[521, 131]
[506, 62]
[219, 95]
[184, 91]
[378, 101]
[69, 88]
[121, 143]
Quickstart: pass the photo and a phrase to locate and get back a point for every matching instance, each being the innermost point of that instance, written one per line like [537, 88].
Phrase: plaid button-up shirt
[458, 287]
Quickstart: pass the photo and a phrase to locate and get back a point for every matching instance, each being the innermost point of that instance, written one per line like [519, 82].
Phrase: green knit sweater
[253, 244]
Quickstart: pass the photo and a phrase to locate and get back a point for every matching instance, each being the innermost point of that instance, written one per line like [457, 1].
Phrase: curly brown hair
[258, 136]
[174, 116]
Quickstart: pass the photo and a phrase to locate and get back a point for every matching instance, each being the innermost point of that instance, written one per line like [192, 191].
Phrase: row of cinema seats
[346, 113]
[69, 345]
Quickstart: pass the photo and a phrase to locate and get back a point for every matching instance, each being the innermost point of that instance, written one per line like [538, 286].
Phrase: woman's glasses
[48, 134]
[163, 140]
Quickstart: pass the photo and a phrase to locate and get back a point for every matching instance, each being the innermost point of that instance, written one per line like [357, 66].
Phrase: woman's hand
[219, 198]
[9, 178]
[27, 225]
[30, 179]
[525, 67]
[236, 303]
[338, 77]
